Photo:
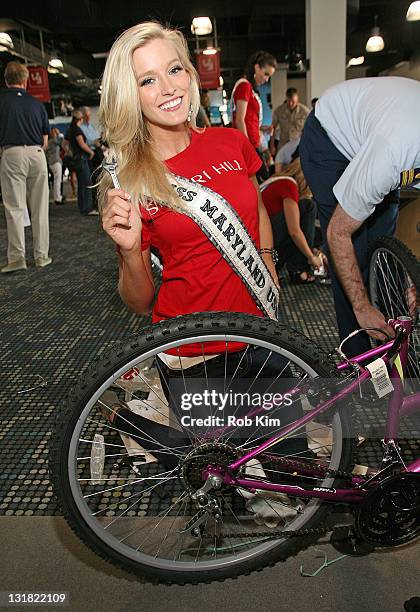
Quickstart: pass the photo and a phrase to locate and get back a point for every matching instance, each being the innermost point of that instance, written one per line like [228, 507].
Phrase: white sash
[225, 229]
[256, 96]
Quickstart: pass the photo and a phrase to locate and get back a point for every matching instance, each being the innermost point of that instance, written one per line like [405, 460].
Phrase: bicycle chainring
[390, 513]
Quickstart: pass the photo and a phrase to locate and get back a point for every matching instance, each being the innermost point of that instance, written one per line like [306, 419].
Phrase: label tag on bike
[380, 377]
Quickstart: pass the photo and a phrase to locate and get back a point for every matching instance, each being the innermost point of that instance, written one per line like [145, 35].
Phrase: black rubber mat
[54, 320]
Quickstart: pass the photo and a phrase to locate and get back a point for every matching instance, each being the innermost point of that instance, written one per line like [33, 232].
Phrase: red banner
[38, 85]
[208, 67]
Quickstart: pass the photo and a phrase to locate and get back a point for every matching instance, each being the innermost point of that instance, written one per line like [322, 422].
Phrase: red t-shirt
[245, 92]
[195, 276]
[275, 190]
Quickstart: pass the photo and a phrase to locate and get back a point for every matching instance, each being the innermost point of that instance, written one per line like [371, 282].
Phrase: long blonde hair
[140, 172]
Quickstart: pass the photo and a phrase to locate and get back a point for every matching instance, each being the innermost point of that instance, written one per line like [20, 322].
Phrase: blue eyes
[173, 71]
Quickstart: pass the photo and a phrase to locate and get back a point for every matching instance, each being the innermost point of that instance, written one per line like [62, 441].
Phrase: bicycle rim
[137, 515]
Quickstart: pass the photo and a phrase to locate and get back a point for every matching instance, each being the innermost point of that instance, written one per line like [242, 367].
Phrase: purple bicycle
[178, 501]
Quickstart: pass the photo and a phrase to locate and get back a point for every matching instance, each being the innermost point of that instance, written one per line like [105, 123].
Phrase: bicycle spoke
[162, 448]
[135, 503]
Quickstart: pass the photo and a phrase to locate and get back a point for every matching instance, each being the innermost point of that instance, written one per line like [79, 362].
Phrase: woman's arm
[135, 283]
[241, 107]
[122, 222]
[83, 146]
[272, 138]
[266, 234]
[292, 217]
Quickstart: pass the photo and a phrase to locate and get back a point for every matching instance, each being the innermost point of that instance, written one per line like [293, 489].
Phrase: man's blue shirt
[23, 119]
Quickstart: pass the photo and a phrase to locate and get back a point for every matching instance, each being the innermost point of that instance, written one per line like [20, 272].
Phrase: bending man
[359, 146]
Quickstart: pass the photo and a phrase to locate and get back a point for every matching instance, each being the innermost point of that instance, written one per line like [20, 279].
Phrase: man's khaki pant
[24, 180]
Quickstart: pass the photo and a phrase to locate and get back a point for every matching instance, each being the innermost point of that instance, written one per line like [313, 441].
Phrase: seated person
[293, 222]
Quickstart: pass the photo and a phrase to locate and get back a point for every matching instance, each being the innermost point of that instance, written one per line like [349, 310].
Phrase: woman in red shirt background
[247, 113]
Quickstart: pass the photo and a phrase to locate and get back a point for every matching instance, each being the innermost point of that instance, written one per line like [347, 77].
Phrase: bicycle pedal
[345, 540]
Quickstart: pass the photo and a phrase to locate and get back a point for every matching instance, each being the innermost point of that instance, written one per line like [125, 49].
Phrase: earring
[189, 113]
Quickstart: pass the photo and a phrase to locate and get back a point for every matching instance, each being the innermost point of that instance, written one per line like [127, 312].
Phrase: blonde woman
[148, 107]
[150, 98]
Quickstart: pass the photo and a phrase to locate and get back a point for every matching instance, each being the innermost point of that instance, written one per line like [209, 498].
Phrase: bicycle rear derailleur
[209, 507]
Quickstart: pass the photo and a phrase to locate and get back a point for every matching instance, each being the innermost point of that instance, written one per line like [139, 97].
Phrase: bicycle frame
[398, 406]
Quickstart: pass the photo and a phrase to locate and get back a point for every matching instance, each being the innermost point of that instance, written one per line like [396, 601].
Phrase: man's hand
[369, 316]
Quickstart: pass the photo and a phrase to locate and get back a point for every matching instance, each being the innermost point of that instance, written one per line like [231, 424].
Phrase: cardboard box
[408, 225]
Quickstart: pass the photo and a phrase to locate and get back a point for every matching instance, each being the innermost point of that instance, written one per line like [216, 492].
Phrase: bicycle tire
[106, 368]
[393, 268]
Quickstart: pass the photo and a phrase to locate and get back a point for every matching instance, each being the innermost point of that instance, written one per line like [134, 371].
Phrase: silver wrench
[111, 168]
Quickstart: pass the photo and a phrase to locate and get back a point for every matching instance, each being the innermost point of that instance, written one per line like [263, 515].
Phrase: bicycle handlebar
[387, 350]
[400, 335]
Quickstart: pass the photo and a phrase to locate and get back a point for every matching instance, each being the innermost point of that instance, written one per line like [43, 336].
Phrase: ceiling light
[201, 26]
[56, 63]
[375, 42]
[6, 40]
[413, 13]
[356, 61]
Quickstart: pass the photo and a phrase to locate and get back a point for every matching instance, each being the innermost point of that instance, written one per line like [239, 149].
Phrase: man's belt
[410, 178]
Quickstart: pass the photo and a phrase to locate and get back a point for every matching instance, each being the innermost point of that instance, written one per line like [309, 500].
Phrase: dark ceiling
[77, 29]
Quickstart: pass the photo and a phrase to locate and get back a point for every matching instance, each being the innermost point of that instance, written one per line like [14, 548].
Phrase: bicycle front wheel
[128, 491]
[394, 288]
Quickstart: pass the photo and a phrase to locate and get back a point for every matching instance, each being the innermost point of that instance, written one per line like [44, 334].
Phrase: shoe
[59, 202]
[296, 278]
[110, 405]
[72, 199]
[14, 266]
[41, 262]
[92, 213]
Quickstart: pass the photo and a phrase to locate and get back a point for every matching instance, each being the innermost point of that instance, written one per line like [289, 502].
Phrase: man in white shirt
[285, 154]
[356, 150]
[88, 129]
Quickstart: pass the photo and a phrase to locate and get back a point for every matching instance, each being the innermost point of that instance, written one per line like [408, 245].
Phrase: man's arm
[339, 233]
